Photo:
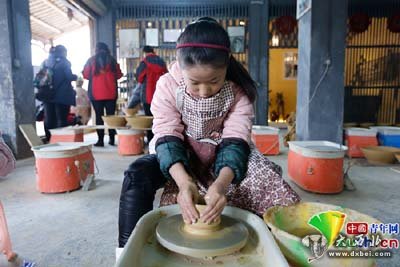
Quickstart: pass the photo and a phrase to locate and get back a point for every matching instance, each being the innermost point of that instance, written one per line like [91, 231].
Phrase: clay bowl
[131, 111]
[380, 154]
[350, 124]
[366, 124]
[114, 121]
[140, 122]
[397, 155]
[201, 228]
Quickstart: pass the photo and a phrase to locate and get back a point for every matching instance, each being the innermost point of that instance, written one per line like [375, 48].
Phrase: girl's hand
[188, 192]
[215, 197]
[187, 197]
[215, 200]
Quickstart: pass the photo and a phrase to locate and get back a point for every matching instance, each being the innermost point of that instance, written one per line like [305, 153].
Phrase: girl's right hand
[187, 197]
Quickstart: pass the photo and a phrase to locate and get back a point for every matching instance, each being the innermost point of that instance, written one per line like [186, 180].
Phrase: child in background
[82, 108]
[203, 112]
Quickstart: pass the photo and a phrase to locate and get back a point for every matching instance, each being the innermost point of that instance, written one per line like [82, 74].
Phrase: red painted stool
[266, 139]
[130, 142]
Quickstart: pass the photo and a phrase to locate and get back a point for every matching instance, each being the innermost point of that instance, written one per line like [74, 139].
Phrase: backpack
[43, 81]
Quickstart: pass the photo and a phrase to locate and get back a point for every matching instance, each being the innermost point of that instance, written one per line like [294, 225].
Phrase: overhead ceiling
[99, 7]
[52, 18]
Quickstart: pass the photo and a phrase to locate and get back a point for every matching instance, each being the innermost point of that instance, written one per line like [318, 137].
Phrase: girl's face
[203, 80]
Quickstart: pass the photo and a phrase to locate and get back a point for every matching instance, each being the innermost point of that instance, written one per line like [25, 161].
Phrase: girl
[102, 71]
[202, 123]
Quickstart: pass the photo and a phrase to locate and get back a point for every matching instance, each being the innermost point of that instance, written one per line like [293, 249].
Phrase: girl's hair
[207, 31]
[103, 58]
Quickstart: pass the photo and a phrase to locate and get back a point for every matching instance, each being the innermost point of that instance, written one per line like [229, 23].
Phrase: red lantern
[393, 23]
[359, 22]
[286, 24]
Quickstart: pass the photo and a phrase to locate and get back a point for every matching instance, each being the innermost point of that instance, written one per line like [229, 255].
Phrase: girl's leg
[141, 181]
[98, 107]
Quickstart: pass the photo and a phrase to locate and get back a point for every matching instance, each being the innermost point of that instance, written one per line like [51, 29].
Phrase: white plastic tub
[61, 149]
[360, 132]
[318, 149]
[61, 167]
[387, 130]
[388, 136]
[265, 130]
[129, 131]
[357, 138]
[143, 249]
[317, 166]
[56, 150]
[66, 130]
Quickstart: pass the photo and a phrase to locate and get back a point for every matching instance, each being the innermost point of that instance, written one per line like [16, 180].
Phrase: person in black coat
[56, 110]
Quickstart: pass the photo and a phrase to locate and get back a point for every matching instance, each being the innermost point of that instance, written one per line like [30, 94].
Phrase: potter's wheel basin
[143, 249]
[230, 237]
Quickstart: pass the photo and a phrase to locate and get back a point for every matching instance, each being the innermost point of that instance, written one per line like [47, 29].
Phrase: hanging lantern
[285, 24]
[393, 23]
[359, 22]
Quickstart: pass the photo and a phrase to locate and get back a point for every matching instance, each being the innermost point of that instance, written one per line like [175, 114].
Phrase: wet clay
[201, 228]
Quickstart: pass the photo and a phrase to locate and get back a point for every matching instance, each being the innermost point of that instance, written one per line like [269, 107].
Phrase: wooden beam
[45, 24]
[60, 11]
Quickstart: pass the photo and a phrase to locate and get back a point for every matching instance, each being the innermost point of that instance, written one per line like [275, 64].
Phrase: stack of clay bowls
[131, 111]
[140, 122]
[114, 121]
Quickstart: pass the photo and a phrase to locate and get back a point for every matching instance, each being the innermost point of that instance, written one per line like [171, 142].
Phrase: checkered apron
[262, 187]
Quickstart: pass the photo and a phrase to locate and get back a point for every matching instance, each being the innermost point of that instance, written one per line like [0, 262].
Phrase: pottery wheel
[230, 237]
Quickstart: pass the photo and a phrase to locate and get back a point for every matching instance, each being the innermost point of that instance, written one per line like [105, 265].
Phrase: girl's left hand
[215, 200]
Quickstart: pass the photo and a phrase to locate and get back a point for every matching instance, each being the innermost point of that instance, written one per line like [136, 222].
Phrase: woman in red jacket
[103, 71]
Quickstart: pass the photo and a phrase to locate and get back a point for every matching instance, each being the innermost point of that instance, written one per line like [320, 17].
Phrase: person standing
[150, 69]
[56, 109]
[103, 71]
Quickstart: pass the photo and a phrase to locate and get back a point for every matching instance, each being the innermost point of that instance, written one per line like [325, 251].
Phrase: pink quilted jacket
[167, 118]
